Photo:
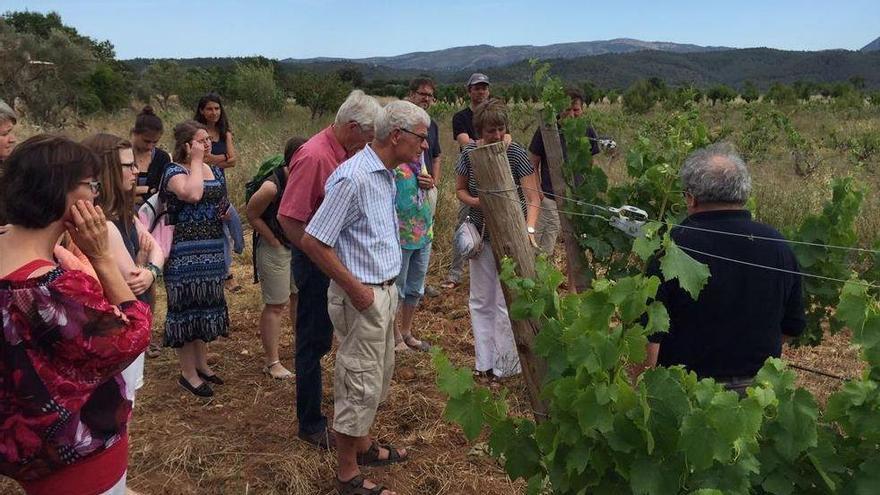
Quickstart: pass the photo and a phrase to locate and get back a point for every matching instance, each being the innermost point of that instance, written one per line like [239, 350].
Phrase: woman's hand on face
[196, 151]
[88, 229]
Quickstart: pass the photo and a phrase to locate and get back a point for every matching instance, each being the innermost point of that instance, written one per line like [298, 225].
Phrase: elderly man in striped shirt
[353, 238]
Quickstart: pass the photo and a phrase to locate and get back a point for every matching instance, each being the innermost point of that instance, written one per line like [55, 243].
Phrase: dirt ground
[243, 440]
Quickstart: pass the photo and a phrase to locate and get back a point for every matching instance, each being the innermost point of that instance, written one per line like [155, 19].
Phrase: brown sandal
[371, 456]
[355, 486]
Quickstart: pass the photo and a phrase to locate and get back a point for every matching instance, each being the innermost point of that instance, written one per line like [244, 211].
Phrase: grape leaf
[677, 264]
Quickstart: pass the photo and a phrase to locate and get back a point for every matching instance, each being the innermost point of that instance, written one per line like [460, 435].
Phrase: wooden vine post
[576, 261]
[507, 227]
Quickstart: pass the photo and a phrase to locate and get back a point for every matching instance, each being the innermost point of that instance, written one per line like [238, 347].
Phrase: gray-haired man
[741, 316]
[353, 238]
[309, 168]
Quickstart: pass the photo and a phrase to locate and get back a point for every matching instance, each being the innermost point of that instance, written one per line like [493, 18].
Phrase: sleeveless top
[132, 245]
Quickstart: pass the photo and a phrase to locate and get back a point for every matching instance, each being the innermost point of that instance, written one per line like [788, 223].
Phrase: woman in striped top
[494, 346]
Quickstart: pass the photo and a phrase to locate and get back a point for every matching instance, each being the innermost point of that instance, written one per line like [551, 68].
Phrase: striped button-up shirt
[358, 218]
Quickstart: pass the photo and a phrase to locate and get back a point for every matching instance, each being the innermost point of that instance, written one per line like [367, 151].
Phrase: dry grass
[244, 439]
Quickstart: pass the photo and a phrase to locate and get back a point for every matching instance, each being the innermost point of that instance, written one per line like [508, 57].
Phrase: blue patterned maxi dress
[195, 270]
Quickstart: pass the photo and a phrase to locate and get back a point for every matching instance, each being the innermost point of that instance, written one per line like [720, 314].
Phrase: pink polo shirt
[309, 168]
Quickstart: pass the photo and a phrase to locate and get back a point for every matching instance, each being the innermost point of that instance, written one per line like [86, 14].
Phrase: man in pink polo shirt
[309, 169]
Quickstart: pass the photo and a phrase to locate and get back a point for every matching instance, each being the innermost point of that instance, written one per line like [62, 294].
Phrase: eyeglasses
[95, 185]
[361, 128]
[422, 137]
[131, 165]
[425, 95]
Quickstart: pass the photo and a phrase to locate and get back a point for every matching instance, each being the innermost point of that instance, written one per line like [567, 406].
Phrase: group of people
[77, 275]
[343, 229]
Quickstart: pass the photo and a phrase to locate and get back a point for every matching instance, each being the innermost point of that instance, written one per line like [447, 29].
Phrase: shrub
[255, 85]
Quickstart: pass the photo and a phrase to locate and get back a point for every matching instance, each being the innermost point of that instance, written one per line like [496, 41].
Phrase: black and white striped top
[520, 167]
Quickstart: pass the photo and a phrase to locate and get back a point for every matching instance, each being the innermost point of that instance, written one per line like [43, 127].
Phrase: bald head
[716, 175]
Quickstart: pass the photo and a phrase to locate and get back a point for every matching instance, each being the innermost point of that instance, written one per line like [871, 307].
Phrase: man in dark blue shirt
[548, 223]
[744, 312]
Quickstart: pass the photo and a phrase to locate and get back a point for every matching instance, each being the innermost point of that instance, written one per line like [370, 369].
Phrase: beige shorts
[275, 270]
[365, 359]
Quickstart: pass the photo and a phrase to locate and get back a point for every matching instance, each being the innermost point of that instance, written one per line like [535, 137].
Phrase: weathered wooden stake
[507, 228]
[578, 276]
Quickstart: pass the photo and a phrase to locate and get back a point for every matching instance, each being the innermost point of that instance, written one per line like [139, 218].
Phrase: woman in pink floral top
[416, 233]
[66, 338]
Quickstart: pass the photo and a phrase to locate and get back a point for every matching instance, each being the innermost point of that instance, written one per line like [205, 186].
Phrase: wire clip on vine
[628, 219]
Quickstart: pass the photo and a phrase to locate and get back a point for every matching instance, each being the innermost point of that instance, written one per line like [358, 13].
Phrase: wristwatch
[530, 230]
[155, 270]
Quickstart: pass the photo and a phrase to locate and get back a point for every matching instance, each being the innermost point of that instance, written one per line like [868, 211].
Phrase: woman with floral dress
[66, 334]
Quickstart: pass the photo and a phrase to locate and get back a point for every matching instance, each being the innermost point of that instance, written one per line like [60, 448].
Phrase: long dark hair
[222, 124]
[184, 132]
[117, 203]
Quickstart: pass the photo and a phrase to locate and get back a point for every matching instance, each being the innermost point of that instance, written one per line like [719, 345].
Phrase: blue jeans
[413, 268]
[314, 335]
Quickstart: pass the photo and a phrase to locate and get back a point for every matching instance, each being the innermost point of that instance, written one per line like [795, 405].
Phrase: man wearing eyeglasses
[422, 93]
[353, 237]
[310, 167]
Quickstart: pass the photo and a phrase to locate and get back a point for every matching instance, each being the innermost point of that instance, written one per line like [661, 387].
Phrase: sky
[351, 29]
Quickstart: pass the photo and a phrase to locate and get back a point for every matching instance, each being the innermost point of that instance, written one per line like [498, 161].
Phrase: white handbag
[468, 240]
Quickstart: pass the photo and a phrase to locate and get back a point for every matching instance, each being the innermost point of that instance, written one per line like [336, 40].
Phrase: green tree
[858, 82]
[351, 75]
[750, 92]
[318, 92]
[255, 85]
[781, 94]
[110, 86]
[163, 79]
[55, 70]
[198, 82]
[720, 92]
[640, 97]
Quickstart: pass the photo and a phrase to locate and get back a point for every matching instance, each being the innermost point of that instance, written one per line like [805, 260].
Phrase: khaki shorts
[275, 270]
[365, 359]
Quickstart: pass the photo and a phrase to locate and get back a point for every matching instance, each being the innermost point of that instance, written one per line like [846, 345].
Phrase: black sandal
[371, 456]
[355, 486]
[203, 390]
[210, 378]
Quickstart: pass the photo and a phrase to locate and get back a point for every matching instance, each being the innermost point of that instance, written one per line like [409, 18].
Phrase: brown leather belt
[387, 283]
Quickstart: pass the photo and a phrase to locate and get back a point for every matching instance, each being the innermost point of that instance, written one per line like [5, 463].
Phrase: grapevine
[611, 431]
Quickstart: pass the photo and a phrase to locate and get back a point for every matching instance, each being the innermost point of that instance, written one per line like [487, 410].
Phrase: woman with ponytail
[151, 160]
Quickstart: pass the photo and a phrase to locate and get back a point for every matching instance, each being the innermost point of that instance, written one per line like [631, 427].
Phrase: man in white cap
[463, 121]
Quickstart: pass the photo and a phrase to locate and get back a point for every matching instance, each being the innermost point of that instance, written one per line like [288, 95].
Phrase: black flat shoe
[212, 378]
[203, 390]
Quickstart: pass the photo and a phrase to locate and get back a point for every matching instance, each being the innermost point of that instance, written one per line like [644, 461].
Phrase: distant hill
[872, 46]
[733, 67]
[763, 66]
[482, 56]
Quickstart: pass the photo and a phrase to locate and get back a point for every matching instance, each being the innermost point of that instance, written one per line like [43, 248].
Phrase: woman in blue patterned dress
[211, 113]
[195, 197]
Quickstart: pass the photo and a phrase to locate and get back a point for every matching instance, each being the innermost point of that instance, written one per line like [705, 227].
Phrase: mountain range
[872, 46]
[610, 64]
[480, 57]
